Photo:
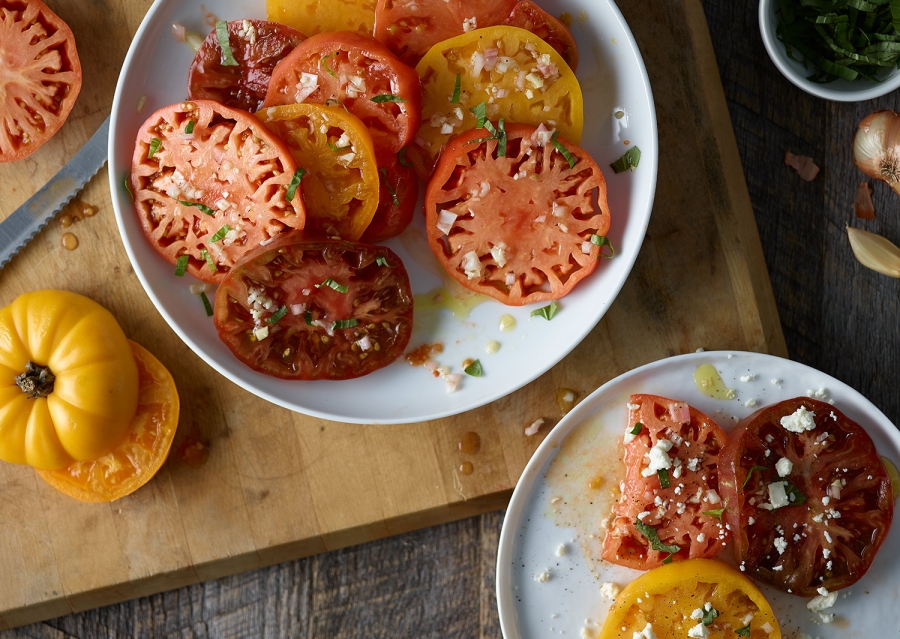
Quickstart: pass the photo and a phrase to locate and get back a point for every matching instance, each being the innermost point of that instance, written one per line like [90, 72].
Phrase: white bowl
[837, 90]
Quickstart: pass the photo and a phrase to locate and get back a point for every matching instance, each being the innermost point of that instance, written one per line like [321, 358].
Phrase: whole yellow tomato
[68, 380]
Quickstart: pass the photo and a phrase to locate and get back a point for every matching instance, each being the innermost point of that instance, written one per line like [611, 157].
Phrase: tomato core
[36, 381]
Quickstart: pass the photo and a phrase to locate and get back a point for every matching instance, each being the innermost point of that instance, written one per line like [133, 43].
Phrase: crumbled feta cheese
[693, 464]
[748, 378]
[469, 24]
[777, 495]
[784, 467]
[751, 403]
[776, 381]
[646, 633]
[823, 601]
[609, 590]
[701, 538]
[560, 550]
[642, 515]
[712, 497]
[799, 421]
[630, 406]
[261, 332]
[542, 576]
[697, 613]
[780, 545]
[699, 631]
[658, 458]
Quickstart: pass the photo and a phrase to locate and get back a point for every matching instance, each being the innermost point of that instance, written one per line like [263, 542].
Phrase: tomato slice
[837, 497]
[40, 78]
[257, 46]
[363, 76]
[323, 309]
[314, 16]
[340, 187]
[228, 171]
[396, 202]
[684, 513]
[669, 597]
[517, 228]
[527, 15]
[411, 27]
[510, 72]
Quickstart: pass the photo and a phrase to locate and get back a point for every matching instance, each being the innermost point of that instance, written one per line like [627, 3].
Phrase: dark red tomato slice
[527, 15]
[686, 513]
[316, 309]
[410, 27]
[361, 74]
[517, 227]
[839, 503]
[257, 46]
[396, 202]
[210, 182]
[40, 76]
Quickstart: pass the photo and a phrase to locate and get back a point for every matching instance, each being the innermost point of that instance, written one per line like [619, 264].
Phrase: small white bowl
[838, 90]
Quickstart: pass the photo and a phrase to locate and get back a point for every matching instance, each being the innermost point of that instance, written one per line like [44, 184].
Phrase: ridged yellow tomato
[68, 380]
[313, 16]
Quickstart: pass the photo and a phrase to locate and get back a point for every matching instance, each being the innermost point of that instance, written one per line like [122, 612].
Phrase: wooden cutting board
[279, 485]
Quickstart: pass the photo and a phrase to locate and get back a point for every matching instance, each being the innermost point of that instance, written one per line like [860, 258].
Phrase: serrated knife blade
[25, 222]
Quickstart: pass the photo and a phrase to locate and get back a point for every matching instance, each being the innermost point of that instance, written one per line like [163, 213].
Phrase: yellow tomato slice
[517, 75]
[314, 16]
[669, 597]
[340, 188]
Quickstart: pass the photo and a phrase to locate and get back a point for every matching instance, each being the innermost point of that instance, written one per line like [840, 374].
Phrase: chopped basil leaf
[474, 369]
[750, 472]
[308, 317]
[795, 497]
[663, 475]
[277, 315]
[206, 304]
[628, 161]
[490, 128]
[501, 143]
[155, 143]
[383, 172]
[181, 265]
[480, 140]
[225, 44]
[743, 632]
[204, 254]
[715, 513]
[295, 182]
[387, 97]
[220, 234]
[127, 182]
[401, 157]
[456, 87]
[330, 283]
[325, 65]
[637, 429]
[190, 126]
[547, 312]
[381, 261]
[601, 241]
[480, 112]
[197, 205]
[565, 152]
[336, 101]
[650, 533]
[347, 323]
[709, 615]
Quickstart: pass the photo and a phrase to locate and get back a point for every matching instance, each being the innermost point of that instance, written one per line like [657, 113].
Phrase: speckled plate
[585, 446]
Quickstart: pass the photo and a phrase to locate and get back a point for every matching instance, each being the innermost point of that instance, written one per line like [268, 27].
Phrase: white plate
[585, 444]
[612, 76]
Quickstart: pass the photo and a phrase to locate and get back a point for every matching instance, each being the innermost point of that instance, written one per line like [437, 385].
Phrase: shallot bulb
[876, 147]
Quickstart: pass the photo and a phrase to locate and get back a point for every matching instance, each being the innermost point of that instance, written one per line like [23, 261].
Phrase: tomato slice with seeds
[229, 170]
[396, 202]
[316, 309]
[360, 74]
[684, 514]
[527, 15]
[40, 78]
[257, 46]
[839, 502]
[516, 227]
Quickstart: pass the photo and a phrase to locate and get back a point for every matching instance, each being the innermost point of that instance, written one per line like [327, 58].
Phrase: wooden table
[836, 316]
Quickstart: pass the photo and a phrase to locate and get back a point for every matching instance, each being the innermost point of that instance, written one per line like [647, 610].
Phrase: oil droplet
[893, 474]
[596, 483]
[69, 241]
[65, 220]
[582, 17]
[710, 383]
[459, 302]
[565, 397]
[470, 443]
[566, 18]
[466, 468]
[507, 322]
[492, 346]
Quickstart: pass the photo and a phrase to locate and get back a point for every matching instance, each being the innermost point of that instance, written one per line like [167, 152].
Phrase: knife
[25, 222]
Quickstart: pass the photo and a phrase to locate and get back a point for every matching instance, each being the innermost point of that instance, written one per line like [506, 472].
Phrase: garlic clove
[875, 252]
[876, 147]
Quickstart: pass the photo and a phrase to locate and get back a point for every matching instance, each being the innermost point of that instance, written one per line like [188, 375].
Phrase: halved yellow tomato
[314, 16]
[676, 598]
[340, 187]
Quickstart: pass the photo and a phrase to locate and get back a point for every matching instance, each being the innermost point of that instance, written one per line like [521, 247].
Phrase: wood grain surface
[439, 581]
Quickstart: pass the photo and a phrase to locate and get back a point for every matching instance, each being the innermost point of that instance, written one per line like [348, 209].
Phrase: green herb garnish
[383, 172]
[501, 139]
[325, 65]
[743, 632]
[127, 181]
[715, 513]
[750, 472]
[308, 317]
[650, 533]
[277, 315]
[330, 283]
[386, 97]
[295, 182]
[629, 160]
[227, 59]
[382, 261]
[474, 369]
[155, 143]
[565, 152]
[601, 241]
[206, 304]
[637, 429]
[455, 98]
[347, 323]
[181, 265]
[663, 475]
[795, 497]
[190, 126]
[401, 157]
[480, 112]
[204, 255]
[547, 312]
[220, 234]
[197, 205]
[709, 615]
[336, 101]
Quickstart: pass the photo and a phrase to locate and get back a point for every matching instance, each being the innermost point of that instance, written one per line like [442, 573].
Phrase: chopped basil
[637, 429]
[663, 475]
[225, 44]
[565, 152]
[387, 97]
[295, 182]
[795, 497]
[325, 65]
[181, 265]
[204, 254]
[715, 513]
[197, 205]
[220, 234]
[709, 615]
[628, 161]
[456, 87]
[383, 172]
[190, 126]
[474, 369]
[336, 101]
[347, 323]
[330, 283]
[401, 157]
[480, 112]
[743, 632]
[277, 315]
[750, 472]
[308, 317]
[501, 139]
[381, 261]
[206, 304]
[127, 182]
[547, 312]
[486, 138]
[650, 533]
[155, 143]
[601, 241]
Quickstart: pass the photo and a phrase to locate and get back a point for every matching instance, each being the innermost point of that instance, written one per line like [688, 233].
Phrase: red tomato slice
[527, 15]
[517, 228]
[842, 503]
[396, 202]
[411, 27]
[345, 308]
[683, 514]
[257, 46]
[40, 76]
[215, 192]
[360, 73]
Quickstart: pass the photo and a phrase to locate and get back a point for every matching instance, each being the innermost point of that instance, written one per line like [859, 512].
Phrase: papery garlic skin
[875, 252]
[876, 147]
